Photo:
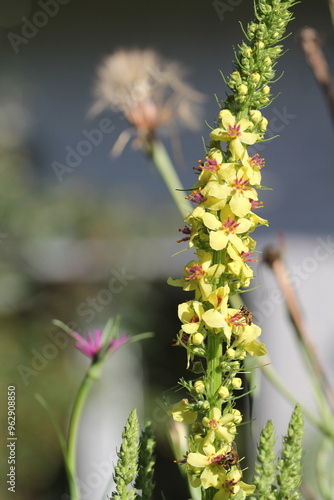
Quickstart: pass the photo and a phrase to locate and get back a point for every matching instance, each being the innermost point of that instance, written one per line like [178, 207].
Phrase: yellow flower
[217, 425]
[221, 316]
[226, 230]
[234, 133]
[190, 313]
[214, 473]
[181, 412]
[245, 337]
[234, 485]
[238, 265]
[199, 274]
[251, 168]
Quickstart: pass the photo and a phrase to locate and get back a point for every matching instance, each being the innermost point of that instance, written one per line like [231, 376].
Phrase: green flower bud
[240, 98]
[198, 351]
[236, 76]
[206, 405]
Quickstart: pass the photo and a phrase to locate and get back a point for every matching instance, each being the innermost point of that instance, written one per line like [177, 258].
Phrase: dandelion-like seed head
[148, 90]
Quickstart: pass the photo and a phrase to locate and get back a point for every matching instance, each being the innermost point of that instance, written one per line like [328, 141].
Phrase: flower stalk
[71, 458]
[157, 152]
[95, 346]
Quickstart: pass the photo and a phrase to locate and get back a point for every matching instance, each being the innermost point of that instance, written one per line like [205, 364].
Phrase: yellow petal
[197, 460]
[226, 117]
[255, 348]
[240, 205]
[214, 319]
[218, 240]
[211, 221]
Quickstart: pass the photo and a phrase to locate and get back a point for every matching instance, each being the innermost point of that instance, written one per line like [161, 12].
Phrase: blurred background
[64, 236]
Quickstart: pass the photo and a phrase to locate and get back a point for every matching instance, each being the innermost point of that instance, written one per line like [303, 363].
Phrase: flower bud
[198, 351]
[231, 353]
[197, 338]
[242, 355]
[236, 76]
[237, 416]
[263, 124]
[223, 392]
[265, 89]
[255, 77]
[199, 386]
[243, 89]
[236, 383]
[255, 115]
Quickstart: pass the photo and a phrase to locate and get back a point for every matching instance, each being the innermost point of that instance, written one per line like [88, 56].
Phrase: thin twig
[273, 258]
[311, 44]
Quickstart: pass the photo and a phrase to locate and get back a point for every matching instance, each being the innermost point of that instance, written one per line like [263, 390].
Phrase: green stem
[209, 493]
[73, 434]
[163, 164]
[214, 372]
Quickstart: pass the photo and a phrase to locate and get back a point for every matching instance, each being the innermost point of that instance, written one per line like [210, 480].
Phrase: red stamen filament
[213, 424]
[256, 204]
[241, 184]
[195, 272]
[185, 230]
[196, 197]
[236, 320]
[246, 257]
[257, 162]
[230, 225]
[234, 131]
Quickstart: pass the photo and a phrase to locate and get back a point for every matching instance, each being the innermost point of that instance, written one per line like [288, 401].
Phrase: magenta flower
[92, 345]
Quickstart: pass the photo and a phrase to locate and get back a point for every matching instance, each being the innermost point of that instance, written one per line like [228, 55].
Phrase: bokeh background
[62, 240]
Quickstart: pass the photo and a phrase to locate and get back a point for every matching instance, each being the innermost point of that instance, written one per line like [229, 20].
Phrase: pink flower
[92, 345]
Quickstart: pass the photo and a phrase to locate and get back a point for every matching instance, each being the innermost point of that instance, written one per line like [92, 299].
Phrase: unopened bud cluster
[256, 59]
